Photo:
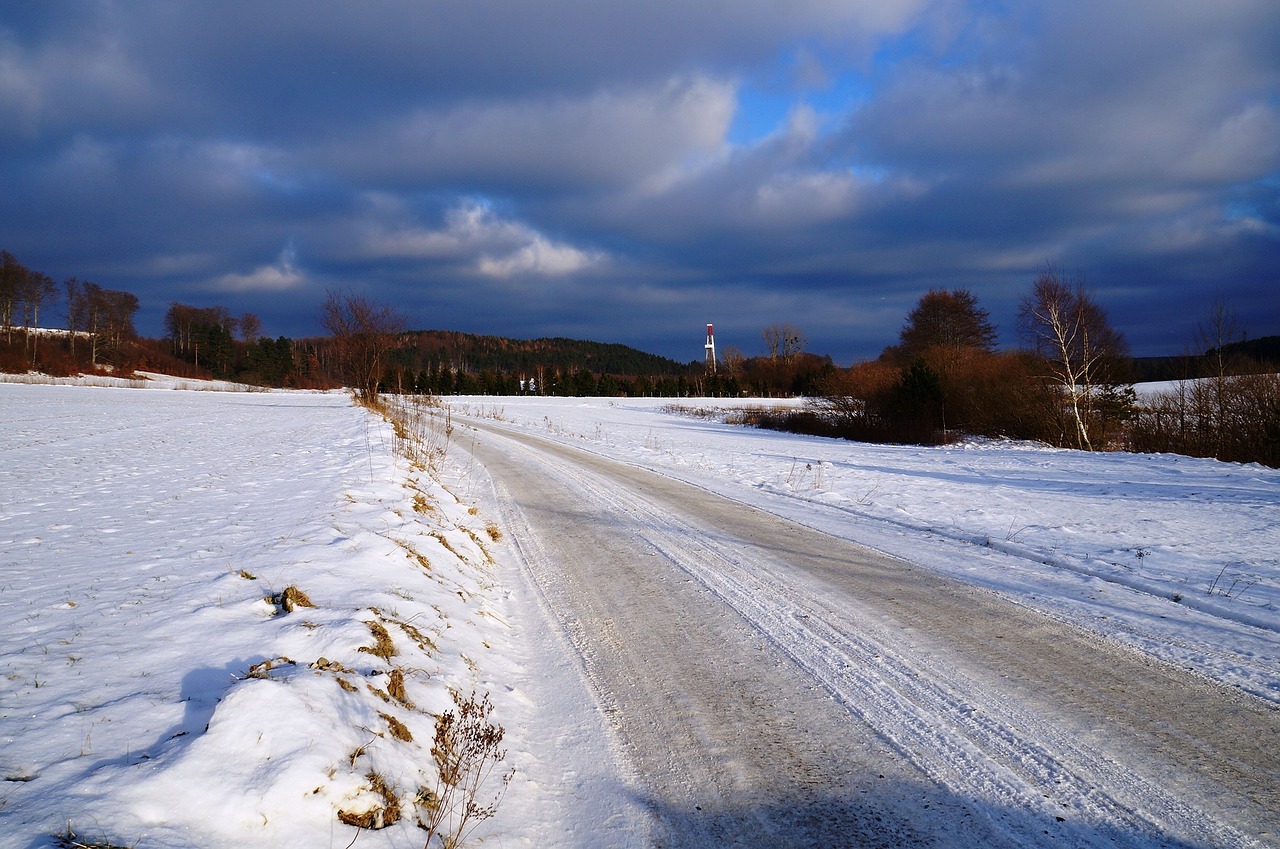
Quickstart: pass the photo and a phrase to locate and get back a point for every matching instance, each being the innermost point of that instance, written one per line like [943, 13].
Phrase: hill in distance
[470, 353]
[1251, 355]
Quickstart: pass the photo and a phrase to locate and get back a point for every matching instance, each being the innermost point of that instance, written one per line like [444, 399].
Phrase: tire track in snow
[968, 741]
[962, 734]
[958, 734]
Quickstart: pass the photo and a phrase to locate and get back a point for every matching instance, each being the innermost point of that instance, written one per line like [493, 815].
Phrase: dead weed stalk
[70, 840]
[466, 750]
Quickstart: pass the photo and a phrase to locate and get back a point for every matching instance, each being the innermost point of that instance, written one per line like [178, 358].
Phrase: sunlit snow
[152, 694]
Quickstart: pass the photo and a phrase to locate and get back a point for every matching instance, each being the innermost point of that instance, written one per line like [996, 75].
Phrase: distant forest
[1263, 353]
[211, 342]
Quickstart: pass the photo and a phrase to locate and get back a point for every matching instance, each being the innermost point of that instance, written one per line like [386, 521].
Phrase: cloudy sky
[628, 171]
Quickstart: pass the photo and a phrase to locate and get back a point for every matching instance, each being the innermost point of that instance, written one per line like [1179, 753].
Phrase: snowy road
[772, 685]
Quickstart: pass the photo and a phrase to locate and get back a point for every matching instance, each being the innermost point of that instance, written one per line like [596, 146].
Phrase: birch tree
[1070, 331]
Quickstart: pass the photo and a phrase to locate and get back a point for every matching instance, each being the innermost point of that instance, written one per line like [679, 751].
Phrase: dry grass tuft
[397, 728]
[263, 668]
[410, 630]
[293, 598]
[289, 600]
[414, 554]
[380, 816]
[247, 575]
[383, 647]
[494, 532]
[323, 664]
[395, 687]
[331, 666]
[440, 538]
[70, 840]
[414, 633]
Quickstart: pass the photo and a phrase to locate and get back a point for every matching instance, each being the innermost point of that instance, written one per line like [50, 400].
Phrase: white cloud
[276, 277]
[540, 257]
[606, 138]
[804, 198]
[475, 237]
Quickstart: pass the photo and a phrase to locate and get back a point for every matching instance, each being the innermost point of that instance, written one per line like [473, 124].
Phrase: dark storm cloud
[597, 169]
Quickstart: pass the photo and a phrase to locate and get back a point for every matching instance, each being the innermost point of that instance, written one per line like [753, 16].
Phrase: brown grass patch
[323, 664]
[494, 532]
[414, 554]
[293, 598]
[424, 642]
[380, 816]
[383, 647]
[289, 600]
[395, 687]
[397, 728]
[447, 547]
[331, 666]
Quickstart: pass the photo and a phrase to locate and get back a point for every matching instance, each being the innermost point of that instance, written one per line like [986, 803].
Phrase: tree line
[99, 333]
[1068, 385]
[100, 336]
[212, 342]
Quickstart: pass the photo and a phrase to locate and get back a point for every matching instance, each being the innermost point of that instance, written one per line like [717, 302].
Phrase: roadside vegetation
[1070, 386]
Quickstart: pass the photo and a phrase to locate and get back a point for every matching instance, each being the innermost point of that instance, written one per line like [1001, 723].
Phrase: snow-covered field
[151, 693]
[151, 697]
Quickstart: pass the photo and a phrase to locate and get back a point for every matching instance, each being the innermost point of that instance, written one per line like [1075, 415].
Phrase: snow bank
[228, 619]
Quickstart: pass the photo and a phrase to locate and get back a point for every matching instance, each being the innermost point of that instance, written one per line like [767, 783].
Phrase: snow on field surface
[150, 692]
[151, 696]
[1175, 555]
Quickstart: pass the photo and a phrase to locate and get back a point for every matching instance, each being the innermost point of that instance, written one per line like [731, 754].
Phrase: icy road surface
[773, 686]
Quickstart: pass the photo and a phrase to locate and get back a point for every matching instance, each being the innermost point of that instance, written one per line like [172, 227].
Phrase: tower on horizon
[711, 349]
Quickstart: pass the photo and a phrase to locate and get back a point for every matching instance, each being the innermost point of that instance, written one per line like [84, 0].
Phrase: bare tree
[364, 334]
[13, 279]
[1071, 332]
[205, 334]
[35, 291]
[733, 358]
[179, 321]
[1215, 336]
[107, 316]
[1222, 409]
[75, 310]
[38, 290]
[250, 327]
[783, 341]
